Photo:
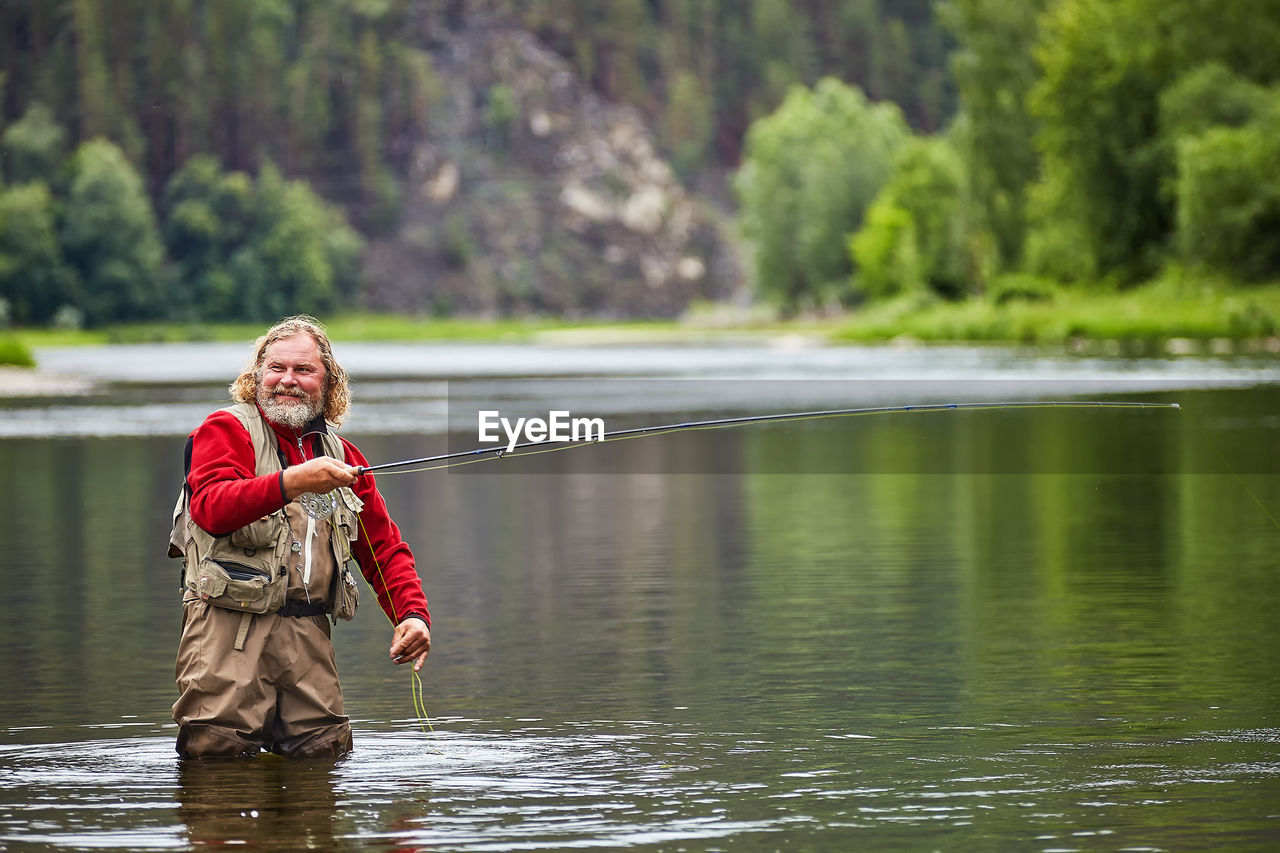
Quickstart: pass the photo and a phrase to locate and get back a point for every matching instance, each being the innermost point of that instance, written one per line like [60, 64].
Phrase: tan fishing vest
[248, 569]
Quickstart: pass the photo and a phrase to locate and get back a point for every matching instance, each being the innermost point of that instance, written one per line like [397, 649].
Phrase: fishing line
[489, 454]
[499, 453]
[1247, 490]
[419, 704]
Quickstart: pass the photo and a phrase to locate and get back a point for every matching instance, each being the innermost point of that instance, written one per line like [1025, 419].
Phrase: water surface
[1029, 637]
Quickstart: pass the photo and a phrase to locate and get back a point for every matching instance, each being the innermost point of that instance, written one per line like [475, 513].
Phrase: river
[1026, 629]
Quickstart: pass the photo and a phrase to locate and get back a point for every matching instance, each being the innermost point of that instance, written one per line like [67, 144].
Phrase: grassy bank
[1163, 311]
[1169, 315]
[349, 327]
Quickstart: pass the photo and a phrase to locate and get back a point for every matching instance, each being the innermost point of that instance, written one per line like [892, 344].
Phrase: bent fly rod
[498, 451]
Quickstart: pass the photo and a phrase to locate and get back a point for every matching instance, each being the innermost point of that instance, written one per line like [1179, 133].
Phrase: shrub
[810, 170]
[13, 351]
[1228, 192]
[917, 232]
[110, 237]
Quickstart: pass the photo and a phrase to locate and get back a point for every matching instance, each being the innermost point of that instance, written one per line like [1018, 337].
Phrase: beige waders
[264, 681]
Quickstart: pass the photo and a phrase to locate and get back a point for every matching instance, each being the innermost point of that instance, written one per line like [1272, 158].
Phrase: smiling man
[271, 515]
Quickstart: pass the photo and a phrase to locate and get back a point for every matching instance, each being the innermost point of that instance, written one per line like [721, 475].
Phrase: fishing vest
[246, 570]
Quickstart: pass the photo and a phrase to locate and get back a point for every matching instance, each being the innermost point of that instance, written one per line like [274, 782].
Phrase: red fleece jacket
[226, 495]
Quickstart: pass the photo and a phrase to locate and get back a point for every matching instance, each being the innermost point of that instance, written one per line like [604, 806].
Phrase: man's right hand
[320, 475]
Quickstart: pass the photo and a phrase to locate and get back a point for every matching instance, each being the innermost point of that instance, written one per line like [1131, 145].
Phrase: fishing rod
[499, 450]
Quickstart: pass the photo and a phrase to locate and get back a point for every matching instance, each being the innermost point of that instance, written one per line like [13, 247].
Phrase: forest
[235, 159]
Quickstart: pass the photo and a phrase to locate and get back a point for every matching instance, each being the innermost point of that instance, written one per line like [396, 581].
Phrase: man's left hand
[411, 642]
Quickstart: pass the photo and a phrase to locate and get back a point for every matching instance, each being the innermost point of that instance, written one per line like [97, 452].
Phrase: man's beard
[293, 415]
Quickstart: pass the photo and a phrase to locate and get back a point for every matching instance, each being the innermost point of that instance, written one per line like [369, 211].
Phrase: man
[271, 511]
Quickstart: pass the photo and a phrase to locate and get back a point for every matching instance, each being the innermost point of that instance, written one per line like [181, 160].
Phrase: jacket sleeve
[225, 492]
[384, 557]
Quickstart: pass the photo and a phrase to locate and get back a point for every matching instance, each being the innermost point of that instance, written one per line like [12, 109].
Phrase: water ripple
[476, 787]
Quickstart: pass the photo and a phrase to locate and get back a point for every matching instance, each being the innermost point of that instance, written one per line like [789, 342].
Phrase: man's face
[291, 389]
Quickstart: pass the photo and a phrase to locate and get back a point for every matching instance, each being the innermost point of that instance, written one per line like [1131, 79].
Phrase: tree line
[173, 159]
[193, 159]
[81, 244]
[335, 90]
[1096, 141]
[106, 106]
[705, 70]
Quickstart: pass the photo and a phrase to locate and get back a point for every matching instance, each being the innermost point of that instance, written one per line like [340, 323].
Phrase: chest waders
[247, 569]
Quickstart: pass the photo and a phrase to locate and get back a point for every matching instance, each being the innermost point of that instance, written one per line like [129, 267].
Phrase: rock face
[530, 194]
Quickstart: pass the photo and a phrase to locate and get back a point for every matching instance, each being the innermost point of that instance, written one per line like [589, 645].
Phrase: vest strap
[245, 619]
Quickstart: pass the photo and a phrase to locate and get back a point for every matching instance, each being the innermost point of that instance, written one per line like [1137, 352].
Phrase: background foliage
[229, 160]
[1096, 141]
[811, 168]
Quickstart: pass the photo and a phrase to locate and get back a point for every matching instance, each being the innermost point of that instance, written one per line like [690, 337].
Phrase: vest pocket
[346, 596]
[237, 586]
[262, 533]
[237, 572]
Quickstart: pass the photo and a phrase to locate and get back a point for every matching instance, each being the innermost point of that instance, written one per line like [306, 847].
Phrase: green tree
[886, 253]
[34, 147]
[746, 54]
[1103, 206]
[917, 233]
[246, 251]
[1097, 102]
[1221, 129]
[686, 123]
[207, 215]
[809, 172]
[304, 250]
[110, 237]
[784, 51]
[994, 72]
[1210, 95]
[1228, 195]
[34, 279]
[376, 181]
[101, 61]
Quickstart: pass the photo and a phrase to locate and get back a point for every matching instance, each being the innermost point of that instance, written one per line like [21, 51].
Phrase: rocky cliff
[527, 193]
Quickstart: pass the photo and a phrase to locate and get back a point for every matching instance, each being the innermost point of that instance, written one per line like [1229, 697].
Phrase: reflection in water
[269, 802]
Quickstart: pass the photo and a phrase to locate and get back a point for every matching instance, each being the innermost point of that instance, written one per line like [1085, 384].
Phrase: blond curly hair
[337, 394]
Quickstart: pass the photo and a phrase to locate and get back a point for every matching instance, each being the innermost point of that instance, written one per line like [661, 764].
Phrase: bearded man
[271, 514]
